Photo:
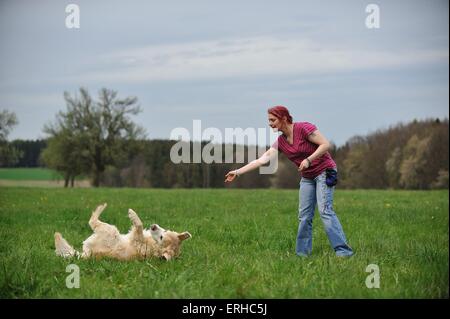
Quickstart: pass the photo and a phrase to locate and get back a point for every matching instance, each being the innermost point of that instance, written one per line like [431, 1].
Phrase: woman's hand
[304, 165]
[230, 176]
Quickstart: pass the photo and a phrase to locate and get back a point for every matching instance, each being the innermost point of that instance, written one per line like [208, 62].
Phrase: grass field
[36, 177]
[29, 174]
[242, 246]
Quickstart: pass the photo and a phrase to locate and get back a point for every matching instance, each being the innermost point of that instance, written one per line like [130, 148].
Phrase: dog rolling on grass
[139, 243]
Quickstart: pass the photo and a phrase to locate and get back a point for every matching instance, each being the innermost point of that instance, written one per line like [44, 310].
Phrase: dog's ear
[184, 235]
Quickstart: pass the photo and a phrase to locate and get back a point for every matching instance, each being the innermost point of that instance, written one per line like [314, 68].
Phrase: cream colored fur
[139, 243]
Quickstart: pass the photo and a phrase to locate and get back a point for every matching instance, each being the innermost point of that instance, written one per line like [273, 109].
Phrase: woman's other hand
[304, 165]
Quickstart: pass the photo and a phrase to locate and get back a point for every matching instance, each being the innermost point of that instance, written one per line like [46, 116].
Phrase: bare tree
[101, 130]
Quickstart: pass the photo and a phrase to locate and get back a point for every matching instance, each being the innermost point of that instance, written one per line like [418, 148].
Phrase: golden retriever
[139, 243]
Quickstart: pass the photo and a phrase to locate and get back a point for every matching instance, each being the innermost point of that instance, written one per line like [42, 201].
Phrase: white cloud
[246, 57]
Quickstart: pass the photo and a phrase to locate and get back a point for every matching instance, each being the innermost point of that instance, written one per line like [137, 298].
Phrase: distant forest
[404, 156]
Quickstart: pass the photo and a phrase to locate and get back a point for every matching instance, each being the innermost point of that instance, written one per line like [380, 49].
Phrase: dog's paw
[100, 208]
[132, 214]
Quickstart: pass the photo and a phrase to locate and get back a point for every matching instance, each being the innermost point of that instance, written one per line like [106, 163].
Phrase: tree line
[99, 140]
[408, 156]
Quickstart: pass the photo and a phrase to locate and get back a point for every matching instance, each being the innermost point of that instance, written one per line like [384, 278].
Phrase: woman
[304, 145]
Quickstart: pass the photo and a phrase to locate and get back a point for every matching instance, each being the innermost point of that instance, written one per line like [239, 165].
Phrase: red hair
[280, 111]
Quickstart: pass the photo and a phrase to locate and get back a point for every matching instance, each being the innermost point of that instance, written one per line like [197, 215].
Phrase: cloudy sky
[226, 62]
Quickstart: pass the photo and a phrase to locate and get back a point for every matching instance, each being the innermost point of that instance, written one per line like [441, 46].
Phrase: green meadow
[242, 245]
[29, 174]
[36, 177]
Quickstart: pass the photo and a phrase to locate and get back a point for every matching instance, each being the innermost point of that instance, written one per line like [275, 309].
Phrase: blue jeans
[314, 191]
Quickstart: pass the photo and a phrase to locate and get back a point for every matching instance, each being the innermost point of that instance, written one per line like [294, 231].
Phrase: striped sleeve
[307, 128]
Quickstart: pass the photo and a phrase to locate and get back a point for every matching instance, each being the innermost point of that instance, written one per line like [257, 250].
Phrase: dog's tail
[63, 248]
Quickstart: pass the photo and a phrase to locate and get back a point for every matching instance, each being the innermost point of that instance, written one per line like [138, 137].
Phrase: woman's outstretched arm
[264, 159]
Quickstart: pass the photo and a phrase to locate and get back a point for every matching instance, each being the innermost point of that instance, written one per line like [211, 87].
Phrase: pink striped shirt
[302, 148]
